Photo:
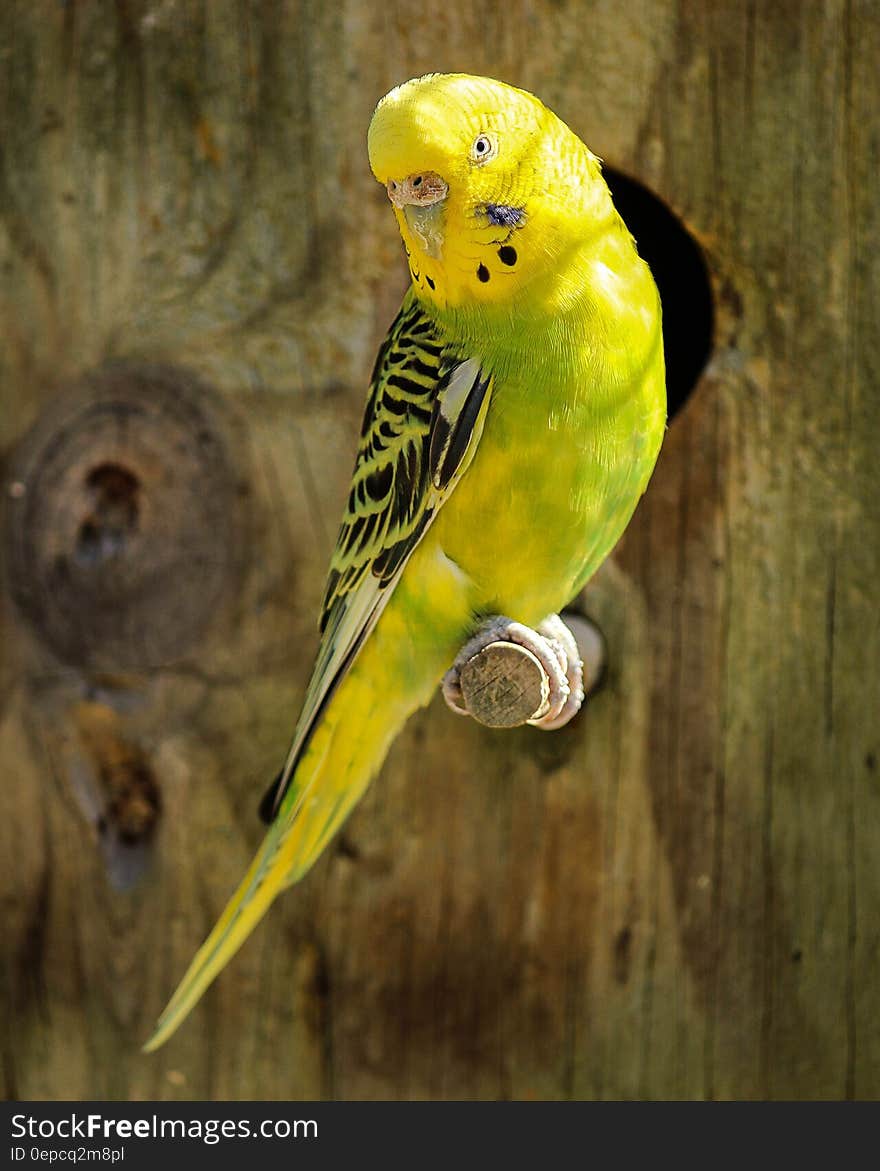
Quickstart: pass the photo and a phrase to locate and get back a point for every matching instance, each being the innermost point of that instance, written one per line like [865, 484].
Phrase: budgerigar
[516, 412]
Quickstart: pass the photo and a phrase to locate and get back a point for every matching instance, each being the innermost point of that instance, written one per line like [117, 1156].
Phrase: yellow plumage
[515, 414]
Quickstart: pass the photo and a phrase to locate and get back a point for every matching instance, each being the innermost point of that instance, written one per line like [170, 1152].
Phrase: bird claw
[562, 642]
[552, 644]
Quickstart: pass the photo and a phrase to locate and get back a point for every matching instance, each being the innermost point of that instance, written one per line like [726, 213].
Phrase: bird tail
[346, 750]
[243, 911]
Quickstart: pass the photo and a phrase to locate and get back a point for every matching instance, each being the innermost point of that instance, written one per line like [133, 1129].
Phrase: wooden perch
[504, 685]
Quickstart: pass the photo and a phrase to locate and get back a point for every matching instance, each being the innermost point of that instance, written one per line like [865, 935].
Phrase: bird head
[489, 187]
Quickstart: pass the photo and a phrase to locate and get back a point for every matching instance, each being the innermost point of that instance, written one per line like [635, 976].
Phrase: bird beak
[420, 190]
[421, 198]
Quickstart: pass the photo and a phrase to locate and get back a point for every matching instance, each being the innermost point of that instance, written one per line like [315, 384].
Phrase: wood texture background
[677, 897]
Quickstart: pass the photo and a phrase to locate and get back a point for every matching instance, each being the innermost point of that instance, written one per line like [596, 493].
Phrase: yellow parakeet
[515, 414]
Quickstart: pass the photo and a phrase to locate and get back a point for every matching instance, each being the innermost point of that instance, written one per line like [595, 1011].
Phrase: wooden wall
[679, 896]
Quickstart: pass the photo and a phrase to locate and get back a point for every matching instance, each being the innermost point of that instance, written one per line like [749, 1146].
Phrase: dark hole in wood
[113, 516]
[679, 268]
[134, 800]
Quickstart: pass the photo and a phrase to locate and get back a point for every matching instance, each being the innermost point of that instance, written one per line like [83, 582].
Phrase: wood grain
[504, 685]
[676, 896]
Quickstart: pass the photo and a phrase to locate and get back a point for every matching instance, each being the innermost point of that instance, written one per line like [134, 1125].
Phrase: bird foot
[553, 653]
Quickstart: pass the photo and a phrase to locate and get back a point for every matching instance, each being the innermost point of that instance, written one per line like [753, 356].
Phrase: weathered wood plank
[676, 896]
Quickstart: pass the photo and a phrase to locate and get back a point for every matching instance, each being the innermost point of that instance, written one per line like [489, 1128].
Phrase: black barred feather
[422, 423]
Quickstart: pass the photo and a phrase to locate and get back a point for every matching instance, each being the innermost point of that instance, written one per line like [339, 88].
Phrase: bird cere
[515, 414]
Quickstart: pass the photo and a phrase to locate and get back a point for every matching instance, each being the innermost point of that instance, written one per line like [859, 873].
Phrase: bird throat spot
[506, 254]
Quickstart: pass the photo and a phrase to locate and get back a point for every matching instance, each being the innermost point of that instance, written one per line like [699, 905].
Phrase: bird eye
[484, 148]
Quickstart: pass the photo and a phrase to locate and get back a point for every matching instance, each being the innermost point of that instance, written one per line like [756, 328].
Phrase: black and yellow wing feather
[424, 418]
[422, 424]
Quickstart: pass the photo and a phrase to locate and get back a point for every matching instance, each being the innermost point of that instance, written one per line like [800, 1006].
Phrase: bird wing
[422, 425]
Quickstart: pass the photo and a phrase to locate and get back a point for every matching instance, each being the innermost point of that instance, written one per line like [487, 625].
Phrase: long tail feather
[346, 751]
[309, 817]
[243, 911]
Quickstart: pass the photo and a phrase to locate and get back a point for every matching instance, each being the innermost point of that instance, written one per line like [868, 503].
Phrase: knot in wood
[124, 518]
[504, 685]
